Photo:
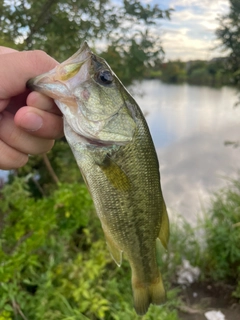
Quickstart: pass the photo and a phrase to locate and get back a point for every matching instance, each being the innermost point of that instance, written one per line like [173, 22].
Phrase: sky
[190, 34]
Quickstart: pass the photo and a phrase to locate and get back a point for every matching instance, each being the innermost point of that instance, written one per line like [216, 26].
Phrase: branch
[17, 309]
[50, 168]
[40, 21]
[40, 189]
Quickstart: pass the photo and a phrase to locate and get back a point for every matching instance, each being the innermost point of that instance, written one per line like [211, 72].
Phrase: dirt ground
[200, 298]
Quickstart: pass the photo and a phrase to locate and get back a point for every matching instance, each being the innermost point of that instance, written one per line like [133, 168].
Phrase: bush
[200, 76]
[184, 244]
[222, 231]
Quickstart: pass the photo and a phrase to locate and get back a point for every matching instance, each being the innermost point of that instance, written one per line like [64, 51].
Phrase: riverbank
[203, 262]
[202, 297]
[197, 72]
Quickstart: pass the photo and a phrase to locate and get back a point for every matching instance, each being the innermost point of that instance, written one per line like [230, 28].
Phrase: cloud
[205, 5]
[189, 125]
[190, 34]
[195, 167]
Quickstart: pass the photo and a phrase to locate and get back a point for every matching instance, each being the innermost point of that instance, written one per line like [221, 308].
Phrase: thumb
[18, 67]
[6, 50]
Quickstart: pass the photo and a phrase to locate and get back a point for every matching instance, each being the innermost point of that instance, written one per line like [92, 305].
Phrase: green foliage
[35, 237]
[208, 72]
[229, 34]
[195, 72]
[222, 233]
[173, 72]
[143, 52]
[54, 263]
[63, 163]
[59, 27]
[184, 243]
[199, 76]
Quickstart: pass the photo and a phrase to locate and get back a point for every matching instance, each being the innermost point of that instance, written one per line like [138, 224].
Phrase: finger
[40, 123]
[4, 50]
[18, 67]
[15, 102]
[11, 158]
[21, 140]
[40, 101]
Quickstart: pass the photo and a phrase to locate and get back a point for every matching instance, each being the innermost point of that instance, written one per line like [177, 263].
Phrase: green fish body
[112, 145]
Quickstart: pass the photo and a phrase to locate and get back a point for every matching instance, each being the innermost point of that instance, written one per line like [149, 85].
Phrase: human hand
[29, 121]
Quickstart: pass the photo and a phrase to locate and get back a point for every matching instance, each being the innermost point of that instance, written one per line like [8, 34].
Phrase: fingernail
[32, 121]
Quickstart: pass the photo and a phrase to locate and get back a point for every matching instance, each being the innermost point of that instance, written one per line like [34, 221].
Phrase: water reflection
[189, 125]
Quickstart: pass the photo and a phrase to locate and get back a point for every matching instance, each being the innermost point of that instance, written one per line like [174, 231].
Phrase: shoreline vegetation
[197, 72]
[55, 264]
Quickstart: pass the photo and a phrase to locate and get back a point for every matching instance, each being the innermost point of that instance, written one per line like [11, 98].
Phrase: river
[189, 125]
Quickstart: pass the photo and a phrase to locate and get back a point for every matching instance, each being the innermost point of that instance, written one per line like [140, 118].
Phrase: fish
[112, 145]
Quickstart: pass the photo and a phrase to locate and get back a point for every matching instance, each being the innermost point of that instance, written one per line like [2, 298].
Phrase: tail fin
[144, 295]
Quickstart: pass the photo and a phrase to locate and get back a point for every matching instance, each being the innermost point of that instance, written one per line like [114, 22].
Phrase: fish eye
[105, 77]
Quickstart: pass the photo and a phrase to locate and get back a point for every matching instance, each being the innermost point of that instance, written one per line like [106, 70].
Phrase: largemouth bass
[110, 140]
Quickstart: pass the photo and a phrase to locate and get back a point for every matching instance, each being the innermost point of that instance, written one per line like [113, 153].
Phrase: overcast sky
[190, 34]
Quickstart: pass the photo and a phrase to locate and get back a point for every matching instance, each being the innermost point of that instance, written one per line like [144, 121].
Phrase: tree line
[198, 72]
[219, 71]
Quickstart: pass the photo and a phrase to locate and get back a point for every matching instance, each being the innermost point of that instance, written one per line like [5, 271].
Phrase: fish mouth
[53, 82]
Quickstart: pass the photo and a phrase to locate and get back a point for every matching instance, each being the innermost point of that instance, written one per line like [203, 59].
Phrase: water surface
[189, 125]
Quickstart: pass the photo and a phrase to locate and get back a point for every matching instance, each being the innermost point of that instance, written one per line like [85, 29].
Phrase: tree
[173, 71]
[229, 34]
[59, 26]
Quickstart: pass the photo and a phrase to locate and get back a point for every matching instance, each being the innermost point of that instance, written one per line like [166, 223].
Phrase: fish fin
[159, 251]
[157, 291]
[144, 294]
[115, 175]
[115, 252]
[164, 229]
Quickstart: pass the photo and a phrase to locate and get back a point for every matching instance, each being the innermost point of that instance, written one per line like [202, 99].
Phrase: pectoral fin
[115, 252]
[115, 175]
[164, 229]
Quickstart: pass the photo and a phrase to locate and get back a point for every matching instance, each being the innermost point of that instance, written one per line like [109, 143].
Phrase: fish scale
[118, 161]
